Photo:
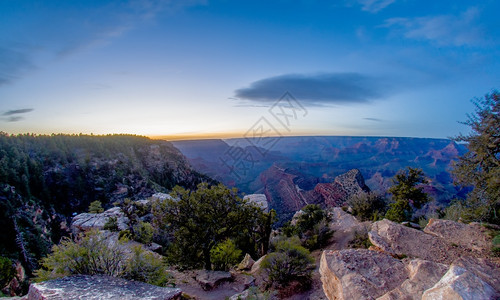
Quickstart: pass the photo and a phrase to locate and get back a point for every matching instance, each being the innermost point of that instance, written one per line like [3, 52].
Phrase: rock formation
[86, 221]
[258, 199]
[99, 287]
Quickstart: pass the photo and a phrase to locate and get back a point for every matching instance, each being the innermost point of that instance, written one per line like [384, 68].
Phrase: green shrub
[125, 235]
[225, 255]
[311, 227]
[367, 206]
[88, 254]
[95, 207]
[291, 262]
[147, 267]
[111, 224]
[360, 240]
[7, 271]
[143, 233]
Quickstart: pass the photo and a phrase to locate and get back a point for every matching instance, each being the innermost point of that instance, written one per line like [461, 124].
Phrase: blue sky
[219, 68]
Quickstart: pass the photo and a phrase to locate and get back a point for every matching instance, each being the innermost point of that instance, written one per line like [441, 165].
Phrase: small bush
[95, 207]
[311, 227]
[111, 224]
[143, 233]
[147, 267]
[360, 240]
[225, 255]
[367, 206]
[291, 262]
[7, 271]
[125, 235]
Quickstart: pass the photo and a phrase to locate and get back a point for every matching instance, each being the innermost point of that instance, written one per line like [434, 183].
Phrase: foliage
[87, 254]
[111, 224]
[7, 271]
[202, 218]
[311, 227]
[360, 240]
[125, 235]
[93, 254]
[147, 267]
[480, 166]
[143, 233]
[367, 206]
[406, 194]
[95, 207]
[290, 262]
[225, 255]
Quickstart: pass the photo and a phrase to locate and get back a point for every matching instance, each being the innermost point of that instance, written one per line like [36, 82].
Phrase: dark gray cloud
[14, 119]
[373, 119]
[316, 89]
[17, 111]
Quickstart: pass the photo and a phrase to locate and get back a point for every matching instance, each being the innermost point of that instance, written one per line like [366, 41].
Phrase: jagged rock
[99, 287]
[246, 263]
[401, 241]
[487, 270]
[256, 265]
[211, 279]
[259, 199]
[459, 283]
[423, 274]
[161, 196]
[296, 217]
[341, 220]
[154, 247]
[87, 221]
[469, 236]
[359, 273]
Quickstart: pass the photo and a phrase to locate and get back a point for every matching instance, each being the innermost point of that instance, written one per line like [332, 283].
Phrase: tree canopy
[480, 166]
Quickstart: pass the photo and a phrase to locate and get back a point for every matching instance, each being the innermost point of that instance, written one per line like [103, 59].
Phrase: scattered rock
[86, 221]
[359, 273]
[161, 196]
[256, 265]
[469, 236]
[253, 294]
[259, 199]
[211, 279]
[401, 241]
[423, 274]
[459, 283]
[246, 263]
[99, 287]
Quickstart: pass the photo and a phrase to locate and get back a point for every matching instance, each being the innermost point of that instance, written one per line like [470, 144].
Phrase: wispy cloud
[375, 6]
[443, 30]
[13, 64]
[373, 119]
[14, 114]
[315, 89]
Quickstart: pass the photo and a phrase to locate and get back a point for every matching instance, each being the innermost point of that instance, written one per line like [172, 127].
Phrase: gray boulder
[258, 199]
[459, 283]
[211, 279]
[86, 221]
[99, 287]
[246, 263]
[359, 273]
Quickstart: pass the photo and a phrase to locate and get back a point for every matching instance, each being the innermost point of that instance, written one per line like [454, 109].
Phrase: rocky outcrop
[342, 188]
[256, 265]
[246, 263]
[486, 269]
[402, 241]
[99, 287]
[470, 236]
[422, 275]
[258, 199]
[360, 273]
[459, 283]
[209, 280]
[86, 221]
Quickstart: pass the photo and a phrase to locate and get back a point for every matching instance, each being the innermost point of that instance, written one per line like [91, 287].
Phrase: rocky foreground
[448, 260]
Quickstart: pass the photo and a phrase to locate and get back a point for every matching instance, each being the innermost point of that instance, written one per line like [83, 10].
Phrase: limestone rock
[487, 270]
[458, 283]
[256, 265]
[161, 196]
[469, 236]
[342, 220]
[423, 274]
[87, 221]
[211, 279]
[246, 263]
[359, 273]
[258, 199]
[99, 287]
[399, 240]
[296, 217]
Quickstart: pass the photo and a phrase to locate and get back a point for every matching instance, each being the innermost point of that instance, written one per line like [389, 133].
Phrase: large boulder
[486, 269]
[246, 263]
[258, 199]
[87, 221]
[423, 274]
[360, 273]
[99, 287]
[402, 241]
[209, 280]
[459, 283]
[469, 236]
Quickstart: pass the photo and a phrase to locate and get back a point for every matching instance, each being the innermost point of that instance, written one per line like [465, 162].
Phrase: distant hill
[46, 179]
[241, 163]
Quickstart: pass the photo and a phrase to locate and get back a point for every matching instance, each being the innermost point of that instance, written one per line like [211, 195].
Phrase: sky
[199, 69]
